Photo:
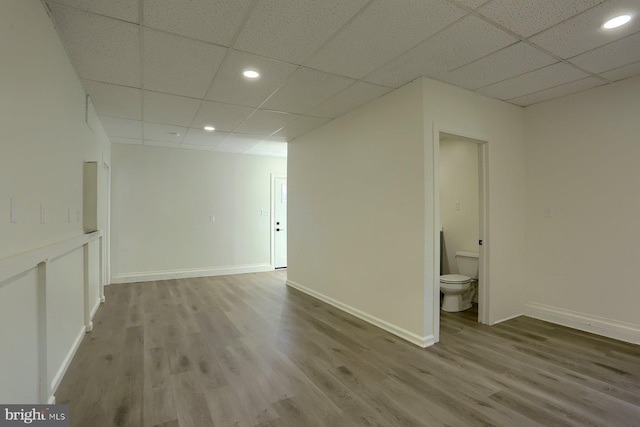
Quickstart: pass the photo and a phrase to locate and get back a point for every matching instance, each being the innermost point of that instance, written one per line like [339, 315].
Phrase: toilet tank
[467, 263]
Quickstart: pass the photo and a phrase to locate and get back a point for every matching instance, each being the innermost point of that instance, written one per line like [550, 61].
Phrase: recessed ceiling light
[616, 22]
[209, 128]
[251, 74]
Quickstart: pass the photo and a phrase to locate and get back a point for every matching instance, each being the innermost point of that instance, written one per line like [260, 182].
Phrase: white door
[280, 221]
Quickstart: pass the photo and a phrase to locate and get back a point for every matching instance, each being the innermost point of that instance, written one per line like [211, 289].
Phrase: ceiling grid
[158, 71]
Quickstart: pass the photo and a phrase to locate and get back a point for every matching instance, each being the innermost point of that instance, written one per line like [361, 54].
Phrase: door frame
[272, 220]
[484, 277]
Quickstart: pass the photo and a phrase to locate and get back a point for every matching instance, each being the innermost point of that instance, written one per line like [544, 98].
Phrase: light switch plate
[14, 210]
[264, 212]
[548, 212]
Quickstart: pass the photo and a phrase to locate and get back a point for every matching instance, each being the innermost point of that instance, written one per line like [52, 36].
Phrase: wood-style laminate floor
[246, 350]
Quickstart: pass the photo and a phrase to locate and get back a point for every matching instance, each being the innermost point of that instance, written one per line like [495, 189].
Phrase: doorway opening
[461, 200]
[279, 196]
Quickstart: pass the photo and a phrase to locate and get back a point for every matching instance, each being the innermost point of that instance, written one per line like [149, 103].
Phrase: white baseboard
[67, 360]
[95, 308]
[615, 329]
[185, 274]
[505, 319]
[424, 341]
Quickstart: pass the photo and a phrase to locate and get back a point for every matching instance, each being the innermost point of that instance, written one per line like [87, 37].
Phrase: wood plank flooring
[247, 350]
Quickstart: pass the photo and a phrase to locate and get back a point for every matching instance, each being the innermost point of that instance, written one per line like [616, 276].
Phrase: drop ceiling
[158, 71]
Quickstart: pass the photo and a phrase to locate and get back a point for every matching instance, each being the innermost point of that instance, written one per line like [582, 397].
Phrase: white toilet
[458, 289]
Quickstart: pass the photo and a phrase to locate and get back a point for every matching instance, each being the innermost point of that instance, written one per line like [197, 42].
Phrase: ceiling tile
[511, 61]
[351, 98]
[469, 39]
[114, 100]
[124, 10]
[202, 137]
[534, 81]
[613, 55]
[256, 152]
[177, 65]
[267, 148]
[164, 133]
[232, 87]
[238, 143]
[527, 17]
[100, 48]
[123, 128]
[194, 147]
[558, 91]
[365, 44]
[223, 117]
[622, 72]
[305, 89]
[291, 30]
[128, 141]
[584, 32]
[300, 126]
[272, 144]
[473, 4]
[161, 144]
[211, 21]
[265, 122]
[169, 109]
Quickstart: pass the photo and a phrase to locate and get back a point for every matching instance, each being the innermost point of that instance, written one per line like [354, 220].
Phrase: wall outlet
[264, 212]
[457, 205]
[548, 212]
[212, 218]
[43, 214]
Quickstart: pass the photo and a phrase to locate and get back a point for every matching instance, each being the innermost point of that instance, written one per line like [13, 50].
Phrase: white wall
[464, 113]
[363, 216]
[458, 185]
[45, 141]
[582, 162]
[356, 215]
[162, 201]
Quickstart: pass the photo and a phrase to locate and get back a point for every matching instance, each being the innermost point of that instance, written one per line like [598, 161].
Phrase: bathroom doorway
[461, 209]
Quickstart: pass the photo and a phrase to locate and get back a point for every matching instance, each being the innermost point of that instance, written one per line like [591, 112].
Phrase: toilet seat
[455, 279]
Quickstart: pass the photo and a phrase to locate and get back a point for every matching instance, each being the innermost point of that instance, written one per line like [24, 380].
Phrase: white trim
[484, 303]
[95, 308]
[615, 329]
[21, 263]
[67, 361]
[505, 319]
[189, 273]
[423, 342]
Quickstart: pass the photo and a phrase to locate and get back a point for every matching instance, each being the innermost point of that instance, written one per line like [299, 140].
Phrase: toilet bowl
[458, 290]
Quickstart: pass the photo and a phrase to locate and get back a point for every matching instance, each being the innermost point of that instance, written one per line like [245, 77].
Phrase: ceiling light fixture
[209, 128]
[251, 74]
[616, 22]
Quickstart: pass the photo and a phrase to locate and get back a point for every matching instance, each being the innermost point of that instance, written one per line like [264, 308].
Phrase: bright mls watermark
[34, 415]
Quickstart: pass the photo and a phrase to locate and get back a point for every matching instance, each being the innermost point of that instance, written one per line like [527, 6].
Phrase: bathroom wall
[356, 218]
[458, 199]
[583, 210]
[460, 112]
